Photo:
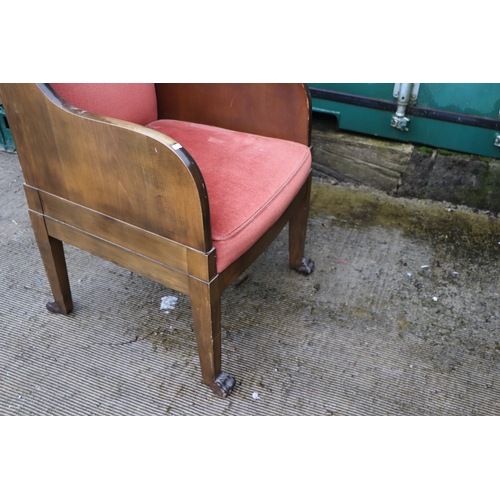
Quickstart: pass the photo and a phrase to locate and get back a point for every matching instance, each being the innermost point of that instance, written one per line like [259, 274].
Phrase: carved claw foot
[223, 385]
[53, 307]
[305, 267]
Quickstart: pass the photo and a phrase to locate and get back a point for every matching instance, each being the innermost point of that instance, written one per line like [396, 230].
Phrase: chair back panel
[279, 110]
[132, 102]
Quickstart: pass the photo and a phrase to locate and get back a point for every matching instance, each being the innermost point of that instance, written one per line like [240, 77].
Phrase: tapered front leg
[206, 308]
[297, 228]
[52, 253]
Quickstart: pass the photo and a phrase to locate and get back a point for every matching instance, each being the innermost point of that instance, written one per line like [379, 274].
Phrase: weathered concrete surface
[405, 169]
[400, 317]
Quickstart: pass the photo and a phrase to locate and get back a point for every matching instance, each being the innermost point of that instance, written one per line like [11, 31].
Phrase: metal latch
[405, 93]
[497, 140]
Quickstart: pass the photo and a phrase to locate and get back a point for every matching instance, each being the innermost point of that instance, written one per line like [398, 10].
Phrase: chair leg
[297, 235]
[206, 308]
[52, 253]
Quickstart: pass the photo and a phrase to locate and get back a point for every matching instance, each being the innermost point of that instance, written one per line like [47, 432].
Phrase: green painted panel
[480, 99]
[6, 140]
[471, 99]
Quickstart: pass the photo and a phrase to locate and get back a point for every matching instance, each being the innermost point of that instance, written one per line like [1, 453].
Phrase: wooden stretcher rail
[142, 242]
[121, 256]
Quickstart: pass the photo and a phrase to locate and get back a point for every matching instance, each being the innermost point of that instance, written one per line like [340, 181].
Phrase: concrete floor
[400, 317]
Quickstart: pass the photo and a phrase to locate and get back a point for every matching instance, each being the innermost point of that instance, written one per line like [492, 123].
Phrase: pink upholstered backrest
[132, 102]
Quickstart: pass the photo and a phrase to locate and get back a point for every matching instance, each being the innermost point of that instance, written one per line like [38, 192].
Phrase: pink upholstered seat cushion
[250, 180]
[132, 102]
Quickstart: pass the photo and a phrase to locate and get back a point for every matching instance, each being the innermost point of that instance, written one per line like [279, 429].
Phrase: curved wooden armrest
[280, 110]
[125, 171]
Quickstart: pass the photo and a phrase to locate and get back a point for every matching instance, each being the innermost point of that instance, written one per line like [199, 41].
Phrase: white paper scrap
[168, 303]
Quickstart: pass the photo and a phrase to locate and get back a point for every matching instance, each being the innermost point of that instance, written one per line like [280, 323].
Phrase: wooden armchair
[186, 184]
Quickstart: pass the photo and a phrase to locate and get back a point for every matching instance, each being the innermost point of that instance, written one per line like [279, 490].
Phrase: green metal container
[462, 117]
[6, 141]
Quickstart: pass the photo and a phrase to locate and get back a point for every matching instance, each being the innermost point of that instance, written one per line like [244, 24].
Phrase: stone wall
[404, 169]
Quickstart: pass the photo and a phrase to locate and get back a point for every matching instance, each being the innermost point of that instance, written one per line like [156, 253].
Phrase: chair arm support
[120, 169]
[280, 110]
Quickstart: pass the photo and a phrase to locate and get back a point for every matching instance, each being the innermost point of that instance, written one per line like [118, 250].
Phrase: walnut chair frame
[161, 228]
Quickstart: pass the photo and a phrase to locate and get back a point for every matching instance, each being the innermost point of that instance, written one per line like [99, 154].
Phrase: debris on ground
[168, 303]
